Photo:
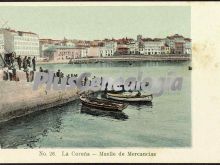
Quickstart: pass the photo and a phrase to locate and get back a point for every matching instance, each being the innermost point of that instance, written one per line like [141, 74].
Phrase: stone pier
[18, 99]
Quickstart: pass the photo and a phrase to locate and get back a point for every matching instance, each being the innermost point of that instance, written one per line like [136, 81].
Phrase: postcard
[109, 82]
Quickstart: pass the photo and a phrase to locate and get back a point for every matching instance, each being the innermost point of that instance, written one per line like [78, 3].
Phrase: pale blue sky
[98, 22]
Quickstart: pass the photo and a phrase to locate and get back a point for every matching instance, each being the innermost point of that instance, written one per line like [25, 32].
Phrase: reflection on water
[142, 105]
[27, 130]
[96, 112]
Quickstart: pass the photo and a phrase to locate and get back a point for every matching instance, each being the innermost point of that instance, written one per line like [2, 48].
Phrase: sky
[98, 22]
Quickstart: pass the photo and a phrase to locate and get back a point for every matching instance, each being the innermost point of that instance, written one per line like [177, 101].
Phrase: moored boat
[102, 104]
[130, 97]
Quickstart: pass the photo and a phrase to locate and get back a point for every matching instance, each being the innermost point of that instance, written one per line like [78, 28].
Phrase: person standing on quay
[25, 63]
[29, 62]
[58, 74]
[19, 62]
[13, 56]
[34, 63]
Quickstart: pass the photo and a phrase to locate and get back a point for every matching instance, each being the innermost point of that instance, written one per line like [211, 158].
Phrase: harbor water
[164, 123]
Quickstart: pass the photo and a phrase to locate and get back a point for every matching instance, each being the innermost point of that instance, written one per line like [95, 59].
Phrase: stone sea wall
[18, 99]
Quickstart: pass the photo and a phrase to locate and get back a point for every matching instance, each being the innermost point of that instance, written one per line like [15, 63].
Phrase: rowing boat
[102, 104]
[130, 97]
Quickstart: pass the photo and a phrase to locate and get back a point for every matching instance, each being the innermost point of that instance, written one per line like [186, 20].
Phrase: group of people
[24, 63]
[61, 75]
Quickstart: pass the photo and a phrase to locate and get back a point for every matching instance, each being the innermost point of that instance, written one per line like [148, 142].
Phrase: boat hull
[88, 103]
[147, 98]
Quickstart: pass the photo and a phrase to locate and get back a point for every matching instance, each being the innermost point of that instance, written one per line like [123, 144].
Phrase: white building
[108, 49]
[165, 50]
[153, 47]
[133, 47]
[188, 46]
[20, 42]
[84, 52]
[64, 53]
[111, 45]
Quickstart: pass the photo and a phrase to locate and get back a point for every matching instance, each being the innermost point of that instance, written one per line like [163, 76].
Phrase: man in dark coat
[34, 63]
[25, 63]
[29, 62]
[19, 62]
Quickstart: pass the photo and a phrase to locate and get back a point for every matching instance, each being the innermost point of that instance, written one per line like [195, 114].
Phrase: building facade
[111, 45]
[188, 46]
[171, 42]
[165, 50]
[84, 52]
[122, 49]
[152, 47]
[179, 48]
[108, 49]
[133, 48]
[106, 52]
[61, 53]
[47, 43]
[93, 52]
[22, 43]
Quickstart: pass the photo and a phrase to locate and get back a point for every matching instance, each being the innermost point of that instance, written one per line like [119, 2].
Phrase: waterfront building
[83, 52]
[179, 48]
[46, 43]
[152, 46]
[122, 49]
[93, 51]
[106, 51]
[141, 48]
[188, 46]
[140, 45]
[165, 49]
[172, 40]
[21, 42]
[108, 48]
[133, 47]
[63, 53]
[111, 44]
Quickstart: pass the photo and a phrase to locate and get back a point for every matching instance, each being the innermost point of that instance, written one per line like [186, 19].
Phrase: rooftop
[19, 31]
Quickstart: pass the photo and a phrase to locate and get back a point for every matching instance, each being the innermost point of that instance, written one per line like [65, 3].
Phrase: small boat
[130, 97]
[102, 104]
